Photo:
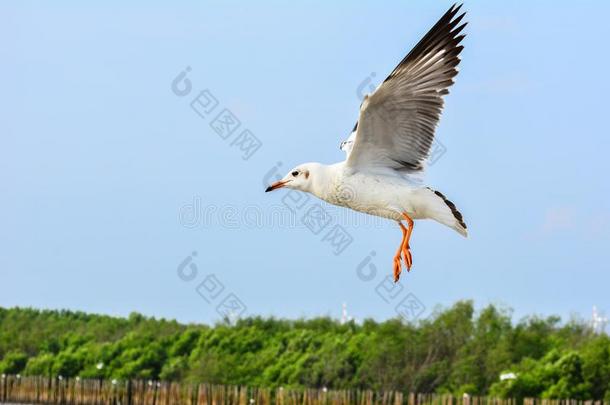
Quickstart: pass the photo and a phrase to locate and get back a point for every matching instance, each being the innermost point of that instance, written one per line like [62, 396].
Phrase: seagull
[387, 150]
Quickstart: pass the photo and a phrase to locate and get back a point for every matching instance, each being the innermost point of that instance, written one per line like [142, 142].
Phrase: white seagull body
[391, 141]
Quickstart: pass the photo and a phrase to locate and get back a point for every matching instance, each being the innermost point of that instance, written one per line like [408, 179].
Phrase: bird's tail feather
[439, 208]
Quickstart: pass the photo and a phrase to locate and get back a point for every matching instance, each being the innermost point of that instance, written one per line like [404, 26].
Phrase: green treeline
[456, 350]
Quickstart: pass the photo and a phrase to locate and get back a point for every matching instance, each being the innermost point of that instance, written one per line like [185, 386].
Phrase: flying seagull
[387, 150]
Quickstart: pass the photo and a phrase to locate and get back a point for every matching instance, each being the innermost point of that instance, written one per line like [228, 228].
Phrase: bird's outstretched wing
[396, 125]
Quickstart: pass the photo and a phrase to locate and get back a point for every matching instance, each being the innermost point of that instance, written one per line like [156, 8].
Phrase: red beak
[276, 185]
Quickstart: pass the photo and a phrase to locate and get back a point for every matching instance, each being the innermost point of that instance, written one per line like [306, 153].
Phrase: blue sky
[110, 180]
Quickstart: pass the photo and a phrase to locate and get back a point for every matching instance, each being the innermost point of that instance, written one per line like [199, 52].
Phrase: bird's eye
[295, 173]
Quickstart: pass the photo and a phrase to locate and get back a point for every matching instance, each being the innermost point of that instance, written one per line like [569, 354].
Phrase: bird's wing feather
[397, 121]
[347, 145]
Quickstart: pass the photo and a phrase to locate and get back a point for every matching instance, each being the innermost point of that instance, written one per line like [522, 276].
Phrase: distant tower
[598, 321]
[344, 316]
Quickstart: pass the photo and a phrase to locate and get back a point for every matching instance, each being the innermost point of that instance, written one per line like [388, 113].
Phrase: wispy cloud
[598, 225]
[558, 219]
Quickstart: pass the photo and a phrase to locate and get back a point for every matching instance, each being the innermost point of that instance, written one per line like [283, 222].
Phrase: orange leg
[397, 266]
[405, 248]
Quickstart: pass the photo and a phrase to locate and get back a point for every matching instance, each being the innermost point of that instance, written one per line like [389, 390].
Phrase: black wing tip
[454, 19]
[444, 32]
[455, 7]
[444, 35]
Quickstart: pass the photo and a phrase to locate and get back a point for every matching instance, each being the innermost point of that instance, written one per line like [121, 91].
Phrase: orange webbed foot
[399, 252]
[407, 257]
[405, 248]
[397, 268]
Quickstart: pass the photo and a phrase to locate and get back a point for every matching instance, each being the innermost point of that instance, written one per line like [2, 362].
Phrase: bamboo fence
[75, 391]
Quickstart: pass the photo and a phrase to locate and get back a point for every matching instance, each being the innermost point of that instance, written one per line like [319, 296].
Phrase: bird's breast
[376, 195]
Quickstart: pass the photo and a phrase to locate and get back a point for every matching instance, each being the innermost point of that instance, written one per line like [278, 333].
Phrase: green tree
[14, 362]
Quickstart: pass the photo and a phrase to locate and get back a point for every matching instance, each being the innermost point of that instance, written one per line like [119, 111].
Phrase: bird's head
[299, 178]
